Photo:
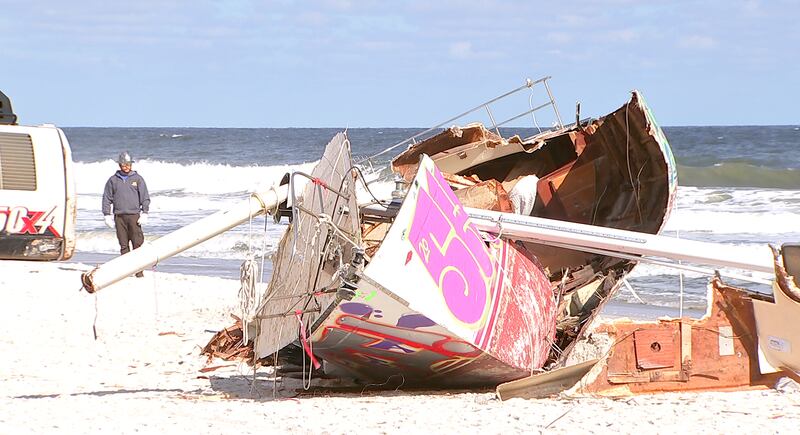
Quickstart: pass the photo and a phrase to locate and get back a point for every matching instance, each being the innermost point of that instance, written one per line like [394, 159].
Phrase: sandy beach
[141, 374]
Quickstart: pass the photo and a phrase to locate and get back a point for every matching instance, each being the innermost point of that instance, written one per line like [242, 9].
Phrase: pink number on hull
[452, 251]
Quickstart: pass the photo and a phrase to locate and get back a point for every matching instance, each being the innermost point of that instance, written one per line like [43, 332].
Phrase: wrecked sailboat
[450, 281]
[411, 288]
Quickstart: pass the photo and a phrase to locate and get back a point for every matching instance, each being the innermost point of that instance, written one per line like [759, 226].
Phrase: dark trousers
[128, 232]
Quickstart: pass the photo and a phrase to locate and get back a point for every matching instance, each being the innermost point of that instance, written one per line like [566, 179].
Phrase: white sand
[56, 378]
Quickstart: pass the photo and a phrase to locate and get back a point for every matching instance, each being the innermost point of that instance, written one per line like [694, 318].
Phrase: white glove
[109, 221]
[142, 219]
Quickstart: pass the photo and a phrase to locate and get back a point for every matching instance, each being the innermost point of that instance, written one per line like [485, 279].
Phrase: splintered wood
[228, 345]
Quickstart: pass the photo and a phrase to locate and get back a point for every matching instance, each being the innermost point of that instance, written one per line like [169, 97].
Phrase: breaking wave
[194, 178]
[738, 174]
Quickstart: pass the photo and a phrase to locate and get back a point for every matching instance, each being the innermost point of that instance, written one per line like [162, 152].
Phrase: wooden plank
[650, 376]
[489, 195]
[655, 348]
[686, 344]
[628, 378]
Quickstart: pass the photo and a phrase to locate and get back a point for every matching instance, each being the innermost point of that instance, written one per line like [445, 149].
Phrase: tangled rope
[249, 275]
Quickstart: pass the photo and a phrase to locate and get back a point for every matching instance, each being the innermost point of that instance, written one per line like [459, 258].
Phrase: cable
[533, 113]
[366, 185]
[633, 292]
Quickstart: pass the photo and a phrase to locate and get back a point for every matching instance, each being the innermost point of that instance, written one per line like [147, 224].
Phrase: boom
[182, 239]
[610, 240]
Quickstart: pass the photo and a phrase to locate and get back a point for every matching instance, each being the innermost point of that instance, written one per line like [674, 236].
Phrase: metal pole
[182, 239]
[552, 100]
[491, 118]
[581, 236]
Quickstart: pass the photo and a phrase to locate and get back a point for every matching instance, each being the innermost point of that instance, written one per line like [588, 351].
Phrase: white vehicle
[37, 191]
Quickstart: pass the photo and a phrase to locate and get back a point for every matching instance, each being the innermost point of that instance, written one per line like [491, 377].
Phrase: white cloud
[313, 18]
[383, 46]
[573, 20]
[624, 35]
[559, 37]
[751, 6]
[697, 42]
[646, 63]
[342, 5]
[462, 50]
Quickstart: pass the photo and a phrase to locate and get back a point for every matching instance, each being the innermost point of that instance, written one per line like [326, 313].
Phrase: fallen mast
[182, 239]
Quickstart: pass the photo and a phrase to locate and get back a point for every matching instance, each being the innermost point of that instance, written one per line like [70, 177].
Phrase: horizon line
[379, 128]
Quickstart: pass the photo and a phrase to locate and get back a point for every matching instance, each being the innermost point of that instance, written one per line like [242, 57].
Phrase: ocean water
[737, 185]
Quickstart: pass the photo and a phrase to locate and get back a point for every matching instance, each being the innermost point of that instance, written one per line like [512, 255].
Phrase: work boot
[140, 274]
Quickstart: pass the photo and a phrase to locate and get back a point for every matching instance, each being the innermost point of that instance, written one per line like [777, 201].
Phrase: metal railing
[529, 84]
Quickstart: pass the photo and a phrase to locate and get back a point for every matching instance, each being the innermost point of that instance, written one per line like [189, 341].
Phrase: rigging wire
[533, 112]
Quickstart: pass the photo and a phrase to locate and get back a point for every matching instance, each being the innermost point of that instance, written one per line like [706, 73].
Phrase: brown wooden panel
[696, 362]
[655, 348]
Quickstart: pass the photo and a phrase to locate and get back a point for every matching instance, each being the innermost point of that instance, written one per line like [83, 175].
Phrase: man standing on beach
[127, 192]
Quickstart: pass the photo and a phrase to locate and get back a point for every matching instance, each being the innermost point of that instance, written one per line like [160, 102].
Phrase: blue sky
[348, 63]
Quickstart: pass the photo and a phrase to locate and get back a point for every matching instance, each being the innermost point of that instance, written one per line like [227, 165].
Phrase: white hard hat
[124, 157]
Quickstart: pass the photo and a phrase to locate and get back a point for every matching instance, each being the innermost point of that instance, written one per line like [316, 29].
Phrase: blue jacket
[128, 193]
